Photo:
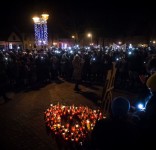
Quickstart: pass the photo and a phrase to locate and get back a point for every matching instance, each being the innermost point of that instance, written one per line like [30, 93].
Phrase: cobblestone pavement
[22, 118]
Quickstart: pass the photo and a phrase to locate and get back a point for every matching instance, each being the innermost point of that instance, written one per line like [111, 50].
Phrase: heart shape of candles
[71, 123]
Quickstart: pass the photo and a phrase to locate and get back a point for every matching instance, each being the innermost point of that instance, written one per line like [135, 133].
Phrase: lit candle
[73, 129]
[66, 130]
[74, 133]
[66, 138]
[88, 124]
[63, 134]
[58, 125]
[76, 139]
[58, 118]
[67, 125]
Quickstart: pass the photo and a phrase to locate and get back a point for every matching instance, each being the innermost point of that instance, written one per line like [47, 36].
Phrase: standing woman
[77, 72]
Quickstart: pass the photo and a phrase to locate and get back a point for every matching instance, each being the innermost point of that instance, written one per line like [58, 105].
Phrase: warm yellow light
[45, 16]
[36, 19]
[89, 35]
[154, 42]
[54, 43]
[120, 42]
[73, 36]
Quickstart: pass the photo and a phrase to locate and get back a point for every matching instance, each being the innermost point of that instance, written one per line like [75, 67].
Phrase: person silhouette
[77, 72]
[118, 129]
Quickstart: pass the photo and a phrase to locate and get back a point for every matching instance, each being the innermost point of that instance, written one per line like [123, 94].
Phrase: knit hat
[151, 82]
[120, 106]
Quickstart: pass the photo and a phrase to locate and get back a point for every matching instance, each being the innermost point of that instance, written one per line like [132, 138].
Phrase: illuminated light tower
[45, 31]
[40, 27]
[37, 30]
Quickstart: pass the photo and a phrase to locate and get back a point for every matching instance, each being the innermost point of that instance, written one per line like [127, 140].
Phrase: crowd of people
[29, 68]
[124, 125]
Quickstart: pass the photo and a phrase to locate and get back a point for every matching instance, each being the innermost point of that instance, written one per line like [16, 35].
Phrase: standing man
[77, 73]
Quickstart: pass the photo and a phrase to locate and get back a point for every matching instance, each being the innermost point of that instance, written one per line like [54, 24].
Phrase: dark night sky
[103, 17]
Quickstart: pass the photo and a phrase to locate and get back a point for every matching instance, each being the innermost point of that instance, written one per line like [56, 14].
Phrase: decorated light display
[40, 28]
[70, 123]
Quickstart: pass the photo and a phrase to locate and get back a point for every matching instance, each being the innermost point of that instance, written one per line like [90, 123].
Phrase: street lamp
[73, 37]
[119, 42]
[45, 16]
[36, 19]
[90, 36]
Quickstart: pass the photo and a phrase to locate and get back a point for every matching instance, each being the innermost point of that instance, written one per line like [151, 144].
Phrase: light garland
[41, 30]
[71, 123]
[45, 33]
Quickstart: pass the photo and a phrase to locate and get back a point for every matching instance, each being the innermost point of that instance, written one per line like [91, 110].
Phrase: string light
[41, 31]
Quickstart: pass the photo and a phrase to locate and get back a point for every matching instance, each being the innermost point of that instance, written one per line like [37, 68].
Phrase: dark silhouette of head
[120, 107]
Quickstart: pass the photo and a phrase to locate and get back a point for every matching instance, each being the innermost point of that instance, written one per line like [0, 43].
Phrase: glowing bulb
[36, 19]
[129, 53]
[141, 106]
[45, 16]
